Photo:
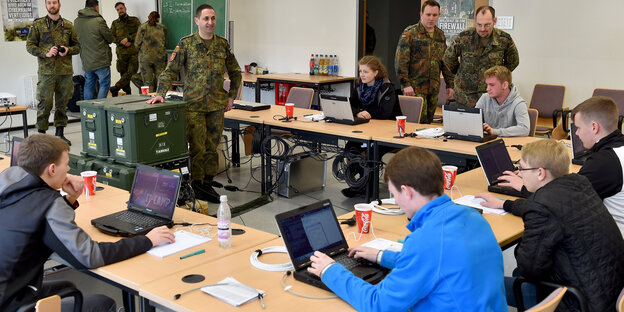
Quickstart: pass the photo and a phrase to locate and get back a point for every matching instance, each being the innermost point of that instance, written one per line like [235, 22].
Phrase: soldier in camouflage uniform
[475, 50]
[418, 60]
[204, 57]
[151, 40]
[55, 65]
[124, 31]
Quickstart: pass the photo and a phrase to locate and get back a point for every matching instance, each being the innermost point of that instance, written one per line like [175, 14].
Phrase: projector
[7, 99]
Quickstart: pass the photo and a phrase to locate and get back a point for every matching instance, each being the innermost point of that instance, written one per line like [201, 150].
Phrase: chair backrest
[615, 94]
[442, 93]
[49, 304]
[411, 107]
[547, 98]
[550, 303]
[301, 97]
[619, 306]
[533, 113]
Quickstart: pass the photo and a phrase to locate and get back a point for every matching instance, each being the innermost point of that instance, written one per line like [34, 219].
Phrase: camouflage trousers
[429, 105]
[127, 65]
[150, 72]
[203, 133]
[50, 87]
[463, 98]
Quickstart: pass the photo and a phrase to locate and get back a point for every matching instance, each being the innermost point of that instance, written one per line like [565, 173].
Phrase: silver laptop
[152, 202]
[579, 152]
[15, 144]
[464, 123]
[338, 109]
[250, 106]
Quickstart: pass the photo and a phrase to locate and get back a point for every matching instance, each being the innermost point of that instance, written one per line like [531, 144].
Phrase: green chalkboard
[178, 16]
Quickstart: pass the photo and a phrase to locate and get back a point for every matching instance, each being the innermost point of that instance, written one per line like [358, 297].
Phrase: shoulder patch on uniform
[172, 57]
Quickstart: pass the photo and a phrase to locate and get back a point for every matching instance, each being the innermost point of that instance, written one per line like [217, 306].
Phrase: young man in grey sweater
[505, 112]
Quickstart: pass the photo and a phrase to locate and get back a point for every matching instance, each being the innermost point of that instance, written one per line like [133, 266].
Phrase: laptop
[250, 106]
[15, 144]
[494, 159]
[338, 109]
[315, 227]
[152, 201]
[579, 152]
[464, 123]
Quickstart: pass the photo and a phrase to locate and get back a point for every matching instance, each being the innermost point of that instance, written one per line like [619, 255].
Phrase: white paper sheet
[183, 240]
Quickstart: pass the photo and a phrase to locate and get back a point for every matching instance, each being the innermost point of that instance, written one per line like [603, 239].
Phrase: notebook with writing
[464, 123]
[579, 152]
[315, 227]
[494, 159]
[338, 109]
[152, 202]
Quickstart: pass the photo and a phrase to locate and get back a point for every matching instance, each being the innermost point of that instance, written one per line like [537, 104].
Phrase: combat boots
[205, 192]
[41, 131]
[59, 133]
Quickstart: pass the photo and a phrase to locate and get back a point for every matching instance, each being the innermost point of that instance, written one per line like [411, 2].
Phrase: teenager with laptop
[450, 262]
[505, 112]
[37, 220]
[569, 236]
[372, 98]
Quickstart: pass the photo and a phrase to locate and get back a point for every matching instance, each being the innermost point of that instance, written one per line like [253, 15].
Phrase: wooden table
[316, 81]
[14, 110]
[238, 266]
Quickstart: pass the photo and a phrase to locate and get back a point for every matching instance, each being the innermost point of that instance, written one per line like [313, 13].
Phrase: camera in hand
[60, 49]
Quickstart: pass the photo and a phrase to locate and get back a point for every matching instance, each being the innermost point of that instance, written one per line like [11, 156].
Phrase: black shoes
[41, 131]
[114, 90]
[59, 133]
[350, 192]
[205, 192]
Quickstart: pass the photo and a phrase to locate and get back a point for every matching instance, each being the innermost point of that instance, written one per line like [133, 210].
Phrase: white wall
[571, 42]
[17, 63]
[281, 34]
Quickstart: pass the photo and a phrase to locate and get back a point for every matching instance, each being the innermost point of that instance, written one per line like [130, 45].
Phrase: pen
[400, 240]
[199, 252]
[421, 129]
[306, 115]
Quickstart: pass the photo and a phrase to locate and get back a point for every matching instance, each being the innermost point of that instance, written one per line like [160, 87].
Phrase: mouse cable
[288, 288]
[253, 259]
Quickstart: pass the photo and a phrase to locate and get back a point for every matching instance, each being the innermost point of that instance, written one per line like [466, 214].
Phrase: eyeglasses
[519, 168]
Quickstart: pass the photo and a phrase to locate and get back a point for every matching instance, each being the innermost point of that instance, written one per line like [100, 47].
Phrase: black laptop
[315, 227]
[579, 152]
[464, 123]
[152, 201]
[15, 144]
[494, 159]
[337, 109]
[250, 106]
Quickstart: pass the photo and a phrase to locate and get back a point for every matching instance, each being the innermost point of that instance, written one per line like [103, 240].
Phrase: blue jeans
[102, 75]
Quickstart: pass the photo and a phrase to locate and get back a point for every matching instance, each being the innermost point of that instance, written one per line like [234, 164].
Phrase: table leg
[236, 146]
[145, 306]
[128, 301]
[25, 123]
[258, 99]
[375, 179]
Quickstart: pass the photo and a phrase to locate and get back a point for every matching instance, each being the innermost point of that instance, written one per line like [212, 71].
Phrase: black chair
[63, 293]
[517, 289]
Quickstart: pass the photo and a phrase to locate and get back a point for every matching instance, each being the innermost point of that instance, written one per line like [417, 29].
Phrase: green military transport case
[93, 123]
[146, 134]
[78, 163]
[117, 175]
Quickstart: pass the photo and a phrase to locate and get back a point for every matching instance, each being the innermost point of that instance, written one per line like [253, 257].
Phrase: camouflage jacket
[125, 27]
[418, 60]
[43, 34]
[476, 59]
[204, 69]
[151, 42]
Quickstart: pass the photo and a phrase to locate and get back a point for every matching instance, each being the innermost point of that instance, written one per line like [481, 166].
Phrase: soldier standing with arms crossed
[204, 57]
[124, 31]
[479, 49]
[53, 40]
[418, 60]
[151, 40]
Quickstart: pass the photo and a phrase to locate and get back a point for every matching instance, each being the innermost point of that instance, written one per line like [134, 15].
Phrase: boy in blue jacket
[450, 262]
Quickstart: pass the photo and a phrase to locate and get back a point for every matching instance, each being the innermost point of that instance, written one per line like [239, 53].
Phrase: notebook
[494, 159]
[579, 152]
[152, 201]
[250, 106]
[15, 144]
[464, 123]
[338, 109]
[315, 227]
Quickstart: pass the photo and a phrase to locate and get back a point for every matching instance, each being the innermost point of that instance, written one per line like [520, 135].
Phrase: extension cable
[383, 210]
[288, 288]
[253, 259]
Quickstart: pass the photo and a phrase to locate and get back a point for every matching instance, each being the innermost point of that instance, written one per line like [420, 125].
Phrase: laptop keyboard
[137, 218]
[347, 261]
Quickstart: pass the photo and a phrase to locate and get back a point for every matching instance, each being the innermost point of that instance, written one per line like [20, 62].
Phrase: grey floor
[261, 218]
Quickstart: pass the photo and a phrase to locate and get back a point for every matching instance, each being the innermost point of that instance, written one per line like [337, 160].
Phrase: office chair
[411, 107]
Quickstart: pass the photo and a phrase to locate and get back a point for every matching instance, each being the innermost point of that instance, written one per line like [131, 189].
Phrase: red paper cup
[363, 216]
[401, 124]
[450, 172]
[246, 68]
[144, 90]
[290, 109]
[89, 178]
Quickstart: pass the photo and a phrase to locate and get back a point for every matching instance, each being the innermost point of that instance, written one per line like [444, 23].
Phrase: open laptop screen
[494, 159]
[155, 191]
[15, 144]
[310, 230]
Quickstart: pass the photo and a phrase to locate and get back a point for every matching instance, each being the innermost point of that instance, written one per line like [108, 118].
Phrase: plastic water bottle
[312, 62]
[330, 67]
[335, 65]
[317, 64]
[224, 228]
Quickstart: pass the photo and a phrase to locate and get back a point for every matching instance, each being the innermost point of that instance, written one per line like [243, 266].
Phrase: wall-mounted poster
[17, 17]
[455, 17]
